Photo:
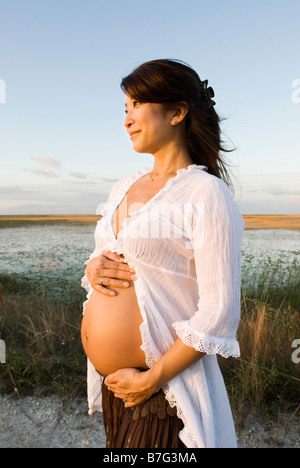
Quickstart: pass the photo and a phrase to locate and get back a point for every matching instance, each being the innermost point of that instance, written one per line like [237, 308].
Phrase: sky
[62, 140]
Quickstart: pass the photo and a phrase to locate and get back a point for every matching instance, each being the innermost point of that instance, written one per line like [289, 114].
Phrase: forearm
[135, 386]
[178, 358]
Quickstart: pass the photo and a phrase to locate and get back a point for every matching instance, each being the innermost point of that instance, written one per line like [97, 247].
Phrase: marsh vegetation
[41, 310]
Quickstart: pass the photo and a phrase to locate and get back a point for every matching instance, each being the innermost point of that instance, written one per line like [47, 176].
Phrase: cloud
[106, 179]
[279, 189]
[77, 175]
[46, 161]
[43, 172]
[49, 199]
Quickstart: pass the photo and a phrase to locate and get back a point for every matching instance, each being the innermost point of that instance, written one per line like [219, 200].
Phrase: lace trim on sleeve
[207, 344]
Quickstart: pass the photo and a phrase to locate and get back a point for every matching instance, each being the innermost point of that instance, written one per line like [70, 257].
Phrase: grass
[27, 220]
[42, 336]
[264, 378]
[251, 221]
[272, 221]
[45, 355]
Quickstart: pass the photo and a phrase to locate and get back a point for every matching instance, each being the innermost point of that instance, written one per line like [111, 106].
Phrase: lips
[131, 134]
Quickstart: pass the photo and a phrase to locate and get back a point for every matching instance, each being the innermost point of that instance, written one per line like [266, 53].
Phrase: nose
[128, 121]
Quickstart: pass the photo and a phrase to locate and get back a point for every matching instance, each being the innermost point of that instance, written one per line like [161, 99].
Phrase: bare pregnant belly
[110, 331]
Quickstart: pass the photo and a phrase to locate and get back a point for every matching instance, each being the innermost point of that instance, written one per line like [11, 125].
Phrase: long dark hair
[170, 82]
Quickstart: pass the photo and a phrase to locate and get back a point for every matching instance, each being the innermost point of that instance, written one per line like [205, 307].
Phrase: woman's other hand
[113, 269]
[131, 385]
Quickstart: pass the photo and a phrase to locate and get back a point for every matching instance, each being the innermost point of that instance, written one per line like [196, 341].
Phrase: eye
[134, 104]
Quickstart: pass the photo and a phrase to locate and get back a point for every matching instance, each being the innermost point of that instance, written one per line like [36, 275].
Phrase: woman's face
[148, 125]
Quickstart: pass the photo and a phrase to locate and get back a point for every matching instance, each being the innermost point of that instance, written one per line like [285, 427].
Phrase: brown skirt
[152, 424]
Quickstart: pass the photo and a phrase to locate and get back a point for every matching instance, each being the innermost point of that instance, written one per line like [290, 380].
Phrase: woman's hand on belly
[129, 384]
[111, 267]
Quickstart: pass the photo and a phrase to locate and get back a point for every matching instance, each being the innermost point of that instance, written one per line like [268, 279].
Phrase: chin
[140, 149]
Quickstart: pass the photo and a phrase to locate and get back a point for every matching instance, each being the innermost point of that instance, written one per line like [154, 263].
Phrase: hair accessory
[207, 93]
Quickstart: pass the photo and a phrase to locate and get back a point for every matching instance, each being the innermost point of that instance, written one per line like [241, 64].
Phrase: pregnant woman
[163, 281]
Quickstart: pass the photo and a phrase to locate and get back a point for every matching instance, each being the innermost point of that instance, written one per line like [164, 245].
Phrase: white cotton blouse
[185, 246]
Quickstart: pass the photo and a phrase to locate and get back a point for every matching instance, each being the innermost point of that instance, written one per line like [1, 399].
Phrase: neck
[170, 160]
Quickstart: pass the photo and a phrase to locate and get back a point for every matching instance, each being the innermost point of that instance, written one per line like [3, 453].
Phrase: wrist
[152, 379]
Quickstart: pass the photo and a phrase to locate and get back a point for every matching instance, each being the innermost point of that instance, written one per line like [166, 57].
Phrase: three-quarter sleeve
[216, 235]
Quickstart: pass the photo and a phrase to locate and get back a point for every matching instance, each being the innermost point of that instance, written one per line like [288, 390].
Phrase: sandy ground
[251, 221]
[48, 422]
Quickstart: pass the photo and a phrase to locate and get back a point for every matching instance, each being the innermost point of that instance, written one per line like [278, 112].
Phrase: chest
[137, 196]
[155, 231]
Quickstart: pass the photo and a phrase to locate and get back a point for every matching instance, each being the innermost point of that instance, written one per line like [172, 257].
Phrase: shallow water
[53, 255]
[45, 248]
[270, 256]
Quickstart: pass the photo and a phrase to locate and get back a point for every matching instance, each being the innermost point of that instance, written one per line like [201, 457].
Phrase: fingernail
[112, 293]
[125, 284]
[133, 277]
[131, 269]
